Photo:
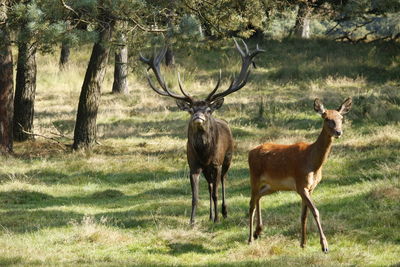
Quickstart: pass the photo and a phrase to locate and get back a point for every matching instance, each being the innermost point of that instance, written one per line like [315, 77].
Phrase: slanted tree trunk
[120, 84]
[25, 90]
[6, 86]
[64, 55]
[302, 25]
[85, 126]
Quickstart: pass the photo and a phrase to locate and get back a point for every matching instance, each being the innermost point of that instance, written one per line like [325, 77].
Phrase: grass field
[128, 201]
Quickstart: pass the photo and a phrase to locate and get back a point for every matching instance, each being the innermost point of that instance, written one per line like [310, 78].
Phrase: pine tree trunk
[169, 56]
[64, 55]
[120, 84]
[302, 26]
[25, 89]
[6, 91]
[85, 127]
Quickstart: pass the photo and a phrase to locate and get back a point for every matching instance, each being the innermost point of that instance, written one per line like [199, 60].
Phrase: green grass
[128, 201]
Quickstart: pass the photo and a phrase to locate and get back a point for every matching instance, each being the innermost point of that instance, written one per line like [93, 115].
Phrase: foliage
[127, 202]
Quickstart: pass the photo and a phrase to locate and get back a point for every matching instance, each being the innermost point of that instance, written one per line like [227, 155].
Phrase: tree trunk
[25, 89]
[120, 84]
[64, 55]
[6, 91]
[302, 26]
[85, 127]
[169, 56]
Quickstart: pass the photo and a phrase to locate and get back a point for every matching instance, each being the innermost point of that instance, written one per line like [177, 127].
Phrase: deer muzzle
[198, 119]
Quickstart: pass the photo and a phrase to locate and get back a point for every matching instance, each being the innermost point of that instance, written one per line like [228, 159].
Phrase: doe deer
[210, 142]
[296, 167]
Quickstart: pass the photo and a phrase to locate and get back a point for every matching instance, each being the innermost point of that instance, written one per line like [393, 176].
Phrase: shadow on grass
[55, 177]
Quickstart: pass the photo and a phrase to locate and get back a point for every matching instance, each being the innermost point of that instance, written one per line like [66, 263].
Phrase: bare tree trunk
[120, 84]
[6, 91]
[25, 90]
[302, 26]
[64, 55]
[6, 83]
[85, 127]
[169, 56]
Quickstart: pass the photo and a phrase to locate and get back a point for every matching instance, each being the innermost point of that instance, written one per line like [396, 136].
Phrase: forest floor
[128, 201]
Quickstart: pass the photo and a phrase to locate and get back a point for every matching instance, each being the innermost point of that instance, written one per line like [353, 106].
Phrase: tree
[302, 25]
[120, 84]
[85, 127]
[6, 83]
[64, 54]
[25, 87]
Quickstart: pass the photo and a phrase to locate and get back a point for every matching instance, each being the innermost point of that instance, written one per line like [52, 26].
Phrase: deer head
[201, 110]
[333, 118]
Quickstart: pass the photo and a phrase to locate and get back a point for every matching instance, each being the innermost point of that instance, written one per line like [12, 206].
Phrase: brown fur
[296, 167]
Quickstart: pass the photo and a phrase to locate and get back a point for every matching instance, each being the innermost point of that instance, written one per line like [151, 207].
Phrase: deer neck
[203, 140]
[320, 150]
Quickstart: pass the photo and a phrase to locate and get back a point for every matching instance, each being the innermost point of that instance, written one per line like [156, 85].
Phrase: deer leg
[194, 182]
[215, 200]
[305, 195]
[210, 191]
[224, 211]
[251, 216]
[265, 190]
[259, 227]
[304, 213]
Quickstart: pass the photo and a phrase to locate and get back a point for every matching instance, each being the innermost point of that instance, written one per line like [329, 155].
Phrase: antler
[236, 84]
[154, 64]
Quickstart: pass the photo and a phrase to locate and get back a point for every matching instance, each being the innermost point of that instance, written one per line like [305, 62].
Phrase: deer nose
[198, 118]
[338, 133]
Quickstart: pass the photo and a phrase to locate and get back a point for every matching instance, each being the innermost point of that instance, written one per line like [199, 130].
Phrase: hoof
[255, 235]
[250, 241]
[324, 246]
[224, 212]
[258, 231]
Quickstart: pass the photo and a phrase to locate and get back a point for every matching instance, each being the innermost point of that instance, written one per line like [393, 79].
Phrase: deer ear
[346, 106]
[183, 105]
[216, 104]
[318, 106]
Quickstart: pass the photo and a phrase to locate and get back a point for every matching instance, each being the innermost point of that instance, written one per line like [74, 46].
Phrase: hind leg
[223, 177]
[265, 190]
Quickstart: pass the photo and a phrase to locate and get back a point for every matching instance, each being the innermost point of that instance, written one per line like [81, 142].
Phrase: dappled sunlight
[128, 200]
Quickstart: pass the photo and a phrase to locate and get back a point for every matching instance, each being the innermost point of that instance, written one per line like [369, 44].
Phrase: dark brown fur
[209, 151]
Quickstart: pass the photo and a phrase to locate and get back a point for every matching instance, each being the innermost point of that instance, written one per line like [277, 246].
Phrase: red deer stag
[294, 167]
[210, 142]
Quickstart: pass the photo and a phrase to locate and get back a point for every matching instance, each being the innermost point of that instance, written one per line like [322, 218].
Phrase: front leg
[305, 195]
[194, 182]
[304, 212]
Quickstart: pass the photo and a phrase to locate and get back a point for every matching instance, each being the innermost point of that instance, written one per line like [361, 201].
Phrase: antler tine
[239, 48]
[209, 97]
[181, 87]
[155, 88]
[247, 59]
[154, 64]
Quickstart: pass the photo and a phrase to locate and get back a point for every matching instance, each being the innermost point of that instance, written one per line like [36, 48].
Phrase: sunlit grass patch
[128, 201]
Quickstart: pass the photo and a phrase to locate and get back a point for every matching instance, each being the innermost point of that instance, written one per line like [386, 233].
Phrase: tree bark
[169, 56]
[120, 84]
[64, 55]
[25, 90]
[85, 127]
[6, 91]
[302, 25]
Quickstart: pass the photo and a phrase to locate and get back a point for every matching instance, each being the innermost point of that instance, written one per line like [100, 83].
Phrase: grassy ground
[128, 201]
